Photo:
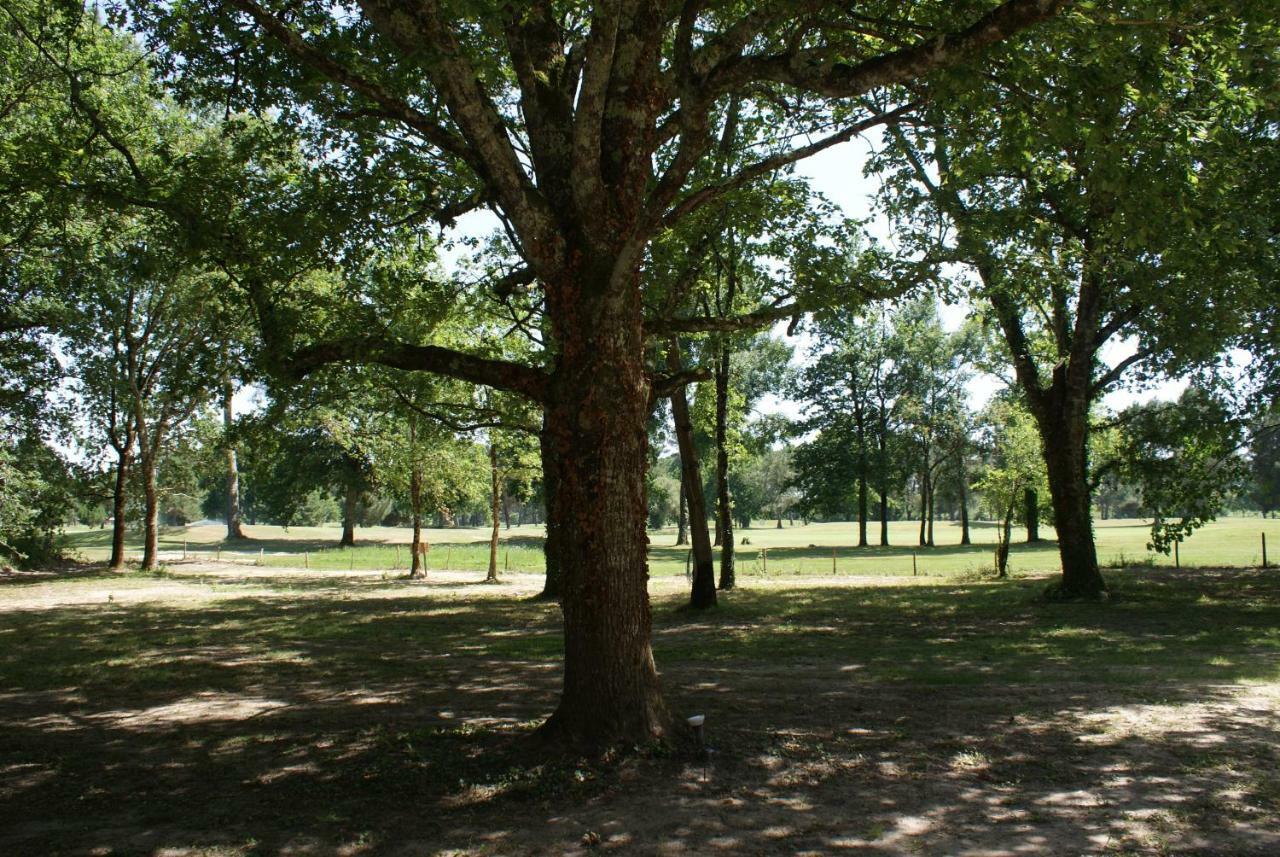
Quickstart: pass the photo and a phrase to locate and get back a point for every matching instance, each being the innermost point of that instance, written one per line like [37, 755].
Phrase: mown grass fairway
[791, 550]
[223, 710]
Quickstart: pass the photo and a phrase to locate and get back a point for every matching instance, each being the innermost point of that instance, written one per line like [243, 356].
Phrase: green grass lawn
[791, 550]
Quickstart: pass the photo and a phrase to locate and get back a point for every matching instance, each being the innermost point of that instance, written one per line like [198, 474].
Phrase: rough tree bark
[350, 505]
[551, 544]
[1064, 432]
[597, 410]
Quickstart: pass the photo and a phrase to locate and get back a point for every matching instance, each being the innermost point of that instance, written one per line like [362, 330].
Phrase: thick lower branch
[499, 374]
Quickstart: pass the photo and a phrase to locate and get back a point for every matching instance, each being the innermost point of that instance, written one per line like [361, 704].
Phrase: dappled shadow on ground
[961, 719]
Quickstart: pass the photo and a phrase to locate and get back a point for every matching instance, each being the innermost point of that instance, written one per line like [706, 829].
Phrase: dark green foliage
[1184, 456]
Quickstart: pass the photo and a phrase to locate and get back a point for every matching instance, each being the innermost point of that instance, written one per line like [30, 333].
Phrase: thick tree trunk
[350, 506]
[496, 509]
[119, 505]
[151, 512]
[1031, 511]
[596, 421]
[682, 523]
[1063, 432]
[234, 528]
[724, 506]
[703, 592]
[551, 544]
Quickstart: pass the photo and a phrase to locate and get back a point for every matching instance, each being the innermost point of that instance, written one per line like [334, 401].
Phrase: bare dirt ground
[218, 710]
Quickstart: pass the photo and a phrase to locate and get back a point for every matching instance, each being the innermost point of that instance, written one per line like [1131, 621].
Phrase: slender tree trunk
[703, 593]
[682, 523]
[350, 506]
[1002, 544]
[119, 504]
[924, 506]
[151, 513]
[1031, 511]
[234, 528]
[597, 415]
[496, 510]
[417, 567]
[931, 497]
[724, 506]
[1063, 432]
[506, 510]
[863, 509]
[551, 544]
[965, 538]
[882, 445]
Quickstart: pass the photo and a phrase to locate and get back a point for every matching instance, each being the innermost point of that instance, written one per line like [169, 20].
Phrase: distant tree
[141, 357]
[1014, 467]
[932, 366]
[843, 387]
[1264, 464]
[1184, 456]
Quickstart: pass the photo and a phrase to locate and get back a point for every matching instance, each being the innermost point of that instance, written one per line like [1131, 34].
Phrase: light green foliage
[1014, 464]
[1012, 445]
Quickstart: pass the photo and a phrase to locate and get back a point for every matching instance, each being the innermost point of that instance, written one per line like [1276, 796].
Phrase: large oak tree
[582, 127]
